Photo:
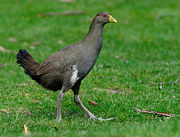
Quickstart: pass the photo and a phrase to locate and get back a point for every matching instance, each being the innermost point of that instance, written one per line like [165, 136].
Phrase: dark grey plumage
[67, 68]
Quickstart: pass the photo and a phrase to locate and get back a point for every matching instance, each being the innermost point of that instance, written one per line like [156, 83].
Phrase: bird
[67, 68]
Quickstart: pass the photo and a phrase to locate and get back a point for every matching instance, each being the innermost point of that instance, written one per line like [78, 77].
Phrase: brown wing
[59, 62]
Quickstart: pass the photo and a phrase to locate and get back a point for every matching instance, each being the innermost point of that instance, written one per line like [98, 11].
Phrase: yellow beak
[111, 19]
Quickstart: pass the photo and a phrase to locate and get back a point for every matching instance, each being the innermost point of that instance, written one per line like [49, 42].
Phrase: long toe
[106, 119]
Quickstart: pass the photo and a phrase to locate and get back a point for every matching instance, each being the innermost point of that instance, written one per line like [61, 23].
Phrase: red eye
[104, 15]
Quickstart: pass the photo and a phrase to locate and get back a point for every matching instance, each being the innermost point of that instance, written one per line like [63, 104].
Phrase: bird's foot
[101, 119]
[108, 119]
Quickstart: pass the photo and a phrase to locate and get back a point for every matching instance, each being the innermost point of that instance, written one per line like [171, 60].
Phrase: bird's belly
[52, 81]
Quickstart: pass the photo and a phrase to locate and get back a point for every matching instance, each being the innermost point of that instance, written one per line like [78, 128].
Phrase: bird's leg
[79, 103]
[59, 100]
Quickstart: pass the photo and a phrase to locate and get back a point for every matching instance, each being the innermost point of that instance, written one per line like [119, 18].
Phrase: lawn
[141, 49]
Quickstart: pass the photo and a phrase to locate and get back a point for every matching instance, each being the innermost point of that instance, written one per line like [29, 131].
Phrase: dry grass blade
[6, 50]
[22, 84]
[64, 13]
[12, 39]
[36, 101]
[157, 113]
[32, 45]
[110, 90]
[114, 90]
[2, 65]
[164, 83]
[26, 130]
[35, 43]
[93, 103]
[68, 1]
[4, 110]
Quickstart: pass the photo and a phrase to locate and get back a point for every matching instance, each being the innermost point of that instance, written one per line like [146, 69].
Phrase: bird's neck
[95, 35]
[96, 29]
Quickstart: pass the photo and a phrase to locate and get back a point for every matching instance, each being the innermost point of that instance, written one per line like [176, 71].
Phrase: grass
[143, 47]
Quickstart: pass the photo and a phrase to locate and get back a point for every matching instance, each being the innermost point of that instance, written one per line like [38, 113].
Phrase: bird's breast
[85, 67]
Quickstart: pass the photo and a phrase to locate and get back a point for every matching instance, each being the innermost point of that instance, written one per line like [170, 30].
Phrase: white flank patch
[74, 76]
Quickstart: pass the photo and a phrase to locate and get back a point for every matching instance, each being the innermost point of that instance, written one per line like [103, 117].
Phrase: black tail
[27, 62]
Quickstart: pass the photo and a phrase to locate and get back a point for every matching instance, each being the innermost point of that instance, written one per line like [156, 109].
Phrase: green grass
[143, 47]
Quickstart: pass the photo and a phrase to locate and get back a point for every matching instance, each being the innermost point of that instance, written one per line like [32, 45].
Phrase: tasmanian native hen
[66, 69]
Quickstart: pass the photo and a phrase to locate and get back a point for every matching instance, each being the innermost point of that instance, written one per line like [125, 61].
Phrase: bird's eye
[104, 15]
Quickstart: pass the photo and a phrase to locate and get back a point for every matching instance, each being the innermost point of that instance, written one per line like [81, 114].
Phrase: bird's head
[104, 17]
